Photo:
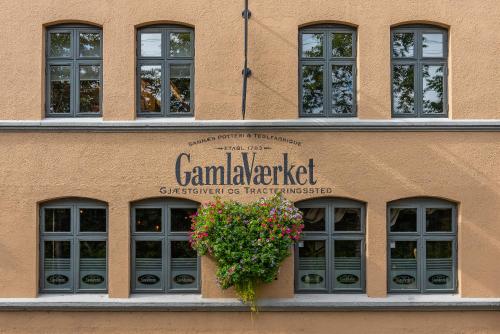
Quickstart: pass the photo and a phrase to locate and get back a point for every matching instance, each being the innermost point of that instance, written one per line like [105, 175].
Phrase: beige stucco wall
[375, 168]
[473, 60]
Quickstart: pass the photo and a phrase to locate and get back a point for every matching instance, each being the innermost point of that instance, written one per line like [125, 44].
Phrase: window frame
[418, 61]
[422, 236]
[74, 236]
[165, 60]
[166, 237]
[74, 61]
[327, 61]
[330, 236]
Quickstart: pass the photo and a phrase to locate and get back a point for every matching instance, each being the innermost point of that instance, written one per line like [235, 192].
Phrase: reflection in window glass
[90, 85]
[93, 265]
[181, 219]
[151, 88]
[60, 44]
[312, 265]
[403, 220]
[183, 266]
[151, 44]
[403, 82]
[60, 89]
[57, 220]
[342, 45]
[314, 219]
[433, 89]
[180, 88]
[92, 220]
[180, 44]
[57, 265]
[347, 264]
[403, 265]
[403, 45]
[90, 44]
[347, 219]
[312, 89]
[148, 220]
[439, 265]
[342, 89]
[148, 265]
[438, 220]
[312, 45]
[432, 45]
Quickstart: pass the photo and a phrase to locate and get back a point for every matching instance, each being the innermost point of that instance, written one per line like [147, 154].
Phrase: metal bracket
[246, 14]
[246, 72]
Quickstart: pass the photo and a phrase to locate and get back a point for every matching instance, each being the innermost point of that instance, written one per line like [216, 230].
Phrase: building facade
[379, 119]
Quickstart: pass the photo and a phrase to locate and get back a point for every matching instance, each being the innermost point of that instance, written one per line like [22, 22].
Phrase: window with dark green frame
[162, 258]
[165, 71]
[327, 71]
[419, 71]
[73, 71]
[422, 246]
[330, 255]
[73, 246]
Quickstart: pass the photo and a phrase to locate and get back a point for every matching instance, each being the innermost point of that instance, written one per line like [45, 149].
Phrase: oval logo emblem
[92, 279]
[57, 279]
[184, 279]
[148, 279]
[404, 279]
[312, 279]
[439, 279]
[347, 279]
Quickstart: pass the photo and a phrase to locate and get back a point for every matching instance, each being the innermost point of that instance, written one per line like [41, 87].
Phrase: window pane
[314, 219]
[347, 219]
[180, 44]
[312, 45]
[151, 88]
[438, 220]
[403, 44]
[151, 44]
[342, 45]
[312, 89]
[181, 219]
[403, 265]
[57, 265]
[432, 45]
[148, 264]
[342, 89]
[183, 265]
[92, 220]
[60, 44]
[433, 89]
[347, 264]
[312, 265]
[90, 85]
[90, 44]
[403, 220]
[57, 220]
[93, 265]
[439, 265]
[403, 89]
[148, 220]
[60, 89]
[180, 88]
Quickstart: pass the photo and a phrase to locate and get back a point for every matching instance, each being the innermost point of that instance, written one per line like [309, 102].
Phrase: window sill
[302, 303]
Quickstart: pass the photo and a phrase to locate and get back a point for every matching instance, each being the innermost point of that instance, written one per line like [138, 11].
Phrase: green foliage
[248, 241]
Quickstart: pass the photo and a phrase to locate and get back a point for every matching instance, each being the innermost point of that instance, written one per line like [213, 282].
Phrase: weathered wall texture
[243, 323]
[473, 60]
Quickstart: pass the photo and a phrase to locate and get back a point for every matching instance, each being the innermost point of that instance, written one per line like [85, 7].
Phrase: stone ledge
[300, 303]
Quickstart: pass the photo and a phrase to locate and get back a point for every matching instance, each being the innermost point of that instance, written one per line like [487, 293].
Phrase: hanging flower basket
[248, 241]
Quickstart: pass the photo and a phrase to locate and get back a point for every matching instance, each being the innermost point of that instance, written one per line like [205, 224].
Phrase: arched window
[165, 71]
[327, 71]
[162, 258]
[73, 246]
[330, 256]
[73, 71]
[422, 246]
[419, 71]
